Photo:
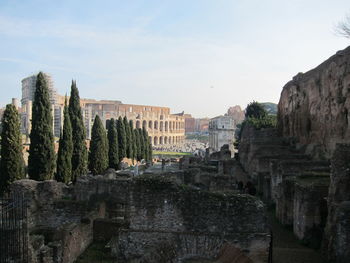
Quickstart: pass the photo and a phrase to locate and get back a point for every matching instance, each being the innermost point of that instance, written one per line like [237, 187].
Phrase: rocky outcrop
[314, 106]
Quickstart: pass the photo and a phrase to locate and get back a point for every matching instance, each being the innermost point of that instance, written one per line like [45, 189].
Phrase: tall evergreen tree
[121, 138]
[142, 144]
[98, 156]
[113, 156]
[133, 140]
[146, 143]
[65, 149]
[150, 152]
[79, 157]
[138, 144]
[41, 160]
[12, 164]
[129, 147]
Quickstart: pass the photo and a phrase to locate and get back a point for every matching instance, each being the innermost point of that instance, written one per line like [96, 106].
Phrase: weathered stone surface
[337, 232]
[314, 107]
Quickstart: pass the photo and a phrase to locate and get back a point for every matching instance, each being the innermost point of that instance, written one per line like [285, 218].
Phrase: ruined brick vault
[147, 219]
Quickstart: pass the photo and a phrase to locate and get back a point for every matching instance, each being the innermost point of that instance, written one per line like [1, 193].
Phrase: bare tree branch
[343, 27]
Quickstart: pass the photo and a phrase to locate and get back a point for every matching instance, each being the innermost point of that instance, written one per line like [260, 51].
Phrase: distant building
[237, 113]
[28, 91]
[163, 127]
[221, 131]
[202, 125]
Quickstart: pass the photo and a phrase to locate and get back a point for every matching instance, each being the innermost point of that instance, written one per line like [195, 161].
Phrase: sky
[197, 56]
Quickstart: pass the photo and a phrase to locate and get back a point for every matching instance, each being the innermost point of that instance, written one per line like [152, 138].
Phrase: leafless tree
[343, 27]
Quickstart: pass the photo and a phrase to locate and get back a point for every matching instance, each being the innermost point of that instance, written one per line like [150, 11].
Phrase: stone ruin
[303, 167]
[150, 218]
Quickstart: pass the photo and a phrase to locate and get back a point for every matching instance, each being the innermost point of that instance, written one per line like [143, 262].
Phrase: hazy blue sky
[200, 56]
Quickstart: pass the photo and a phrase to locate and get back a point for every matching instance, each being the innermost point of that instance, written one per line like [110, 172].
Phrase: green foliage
[255, 110]
[65, 150]
[150, 151]
[142, 144]
[12, 164]
[113, 155]
[98, 156]
[268, 121]
[79, 157]
[133, 140]
[129, 143]
[146, 141]
[137, 138]
[41, 160]
[122, 143]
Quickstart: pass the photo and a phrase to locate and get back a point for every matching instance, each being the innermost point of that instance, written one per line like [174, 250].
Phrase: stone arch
[150, 125]
[156, 125]
[144, 124]
[138, 124]
[161, 126]
[161, 140]
[155, 140]
[165, 140]
[166, 126]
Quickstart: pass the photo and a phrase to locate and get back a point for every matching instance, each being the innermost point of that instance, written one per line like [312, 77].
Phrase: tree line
[107, 148]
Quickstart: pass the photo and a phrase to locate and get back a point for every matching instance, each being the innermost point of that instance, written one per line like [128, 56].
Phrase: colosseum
[163, 127]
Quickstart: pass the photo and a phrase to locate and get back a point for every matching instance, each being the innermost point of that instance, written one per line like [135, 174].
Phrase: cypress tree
[150, 152]
[65, 150]
[121, 138]
[138, 144]
[79, 157]
[12, 164]
[129, 147]
[142, 144]
[98, 156]
[146, 143]
[113, 156]
[133, 140]
[41, 160]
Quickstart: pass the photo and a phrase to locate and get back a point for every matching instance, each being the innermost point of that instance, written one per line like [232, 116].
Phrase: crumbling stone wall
[337, 238]
[161, 214]
[314, 106]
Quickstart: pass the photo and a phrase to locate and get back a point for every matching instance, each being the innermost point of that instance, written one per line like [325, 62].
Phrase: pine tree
[98, 156]
[133, 140]
[121, 138]
[79, 157]
[65, 150]
[12, 164]
[113, 156]
[41, 160]
[129, 147]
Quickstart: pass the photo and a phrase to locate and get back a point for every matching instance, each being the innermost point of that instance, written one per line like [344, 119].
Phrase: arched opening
[138, 125]
[166, 126]
[156, 125]
[161, 140]
[170, 141]
[165, 140]
[176, 126]
[150, 126]
[144, 124]
[161, 126]
[155, 140]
